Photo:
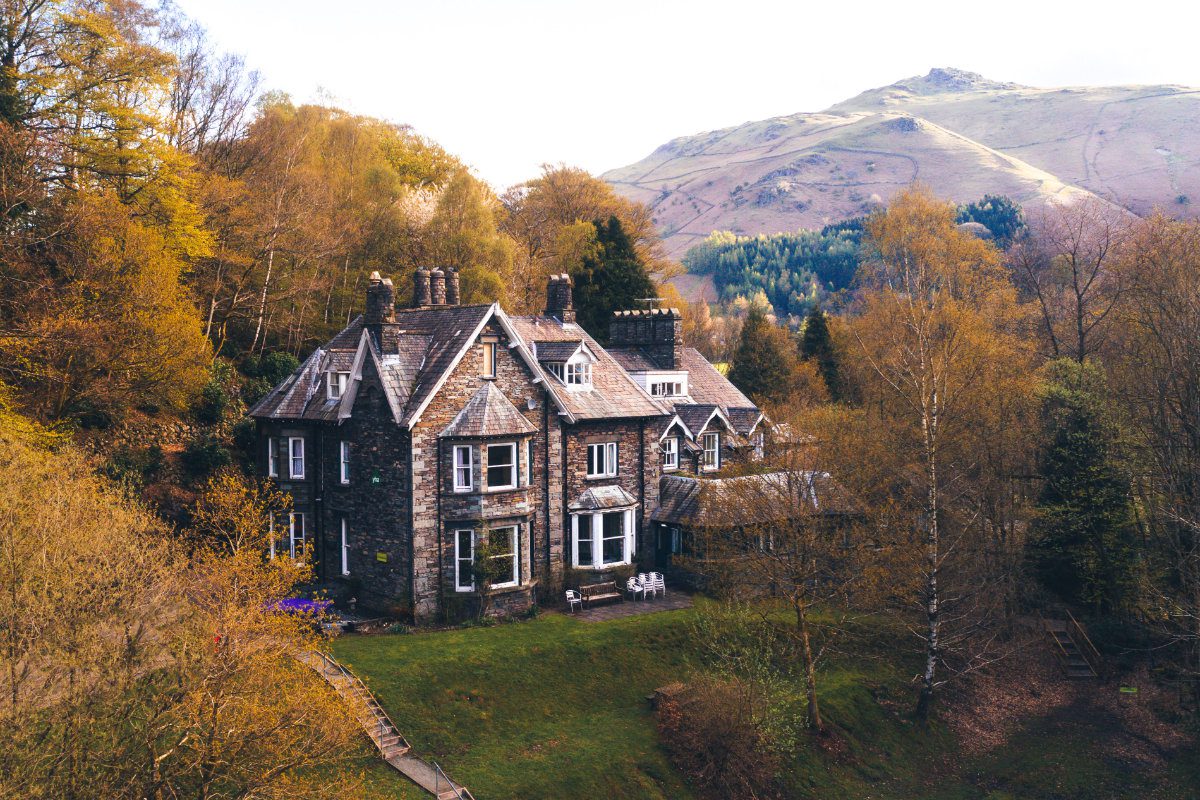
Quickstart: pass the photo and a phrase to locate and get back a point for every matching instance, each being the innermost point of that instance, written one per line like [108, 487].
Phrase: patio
[631, 608]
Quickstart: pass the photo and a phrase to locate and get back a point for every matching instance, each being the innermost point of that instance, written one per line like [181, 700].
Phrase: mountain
[958, 132]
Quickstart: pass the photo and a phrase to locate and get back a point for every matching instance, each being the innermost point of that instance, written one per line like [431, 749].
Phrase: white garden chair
[634, 587]
[647, 584]
[659, 583]
[574, 600]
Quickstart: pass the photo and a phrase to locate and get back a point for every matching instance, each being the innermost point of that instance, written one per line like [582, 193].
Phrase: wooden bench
[600, 593]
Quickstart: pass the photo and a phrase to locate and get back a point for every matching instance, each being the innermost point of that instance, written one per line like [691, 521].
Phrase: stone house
[415, 433]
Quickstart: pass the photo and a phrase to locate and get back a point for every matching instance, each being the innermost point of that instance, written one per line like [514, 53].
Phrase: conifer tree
[1083, 546]
[817, 345]
[763, 364]
[612, 277]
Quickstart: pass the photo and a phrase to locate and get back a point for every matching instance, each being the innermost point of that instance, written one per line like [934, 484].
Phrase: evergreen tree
[764, 362]
[611, 277]
[817, 345]
[1082, 545]
[998, 214]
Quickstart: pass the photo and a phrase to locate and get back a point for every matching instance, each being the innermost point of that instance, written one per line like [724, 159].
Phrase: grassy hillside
[556, 707]
[962, 135]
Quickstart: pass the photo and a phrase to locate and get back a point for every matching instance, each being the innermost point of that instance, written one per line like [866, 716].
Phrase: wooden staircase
[391, 744]
[1076, 654]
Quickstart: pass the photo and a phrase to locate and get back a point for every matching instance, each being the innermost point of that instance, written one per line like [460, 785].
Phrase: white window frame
[296, 454]
[345, 549]
[666, 389]
[709, 464]
[529, 462]
[336, 384]
[272, 457]
[489, 358]
[292, 537]
[670, 454]
[460, 469]
[516, 555]
[459, 559]
[578, 373]
[760, 445]
[271, 533]
[605, 458]
[513, 479]
[592, 524]
[344, 462]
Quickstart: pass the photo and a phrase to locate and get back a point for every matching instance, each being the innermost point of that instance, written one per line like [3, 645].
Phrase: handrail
[385, 722]
[1060, 652]
[440, 776]
[1095, 661]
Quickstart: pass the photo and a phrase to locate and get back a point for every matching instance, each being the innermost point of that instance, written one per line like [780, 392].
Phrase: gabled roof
[744, 420]
[613, 395]
[697, 417]
[488, 413]
[599, 498]
[634, 359]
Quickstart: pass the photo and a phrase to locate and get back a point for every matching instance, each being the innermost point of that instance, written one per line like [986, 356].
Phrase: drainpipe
[319, 500]
[546, 481]
[638, 534]
[437, 488]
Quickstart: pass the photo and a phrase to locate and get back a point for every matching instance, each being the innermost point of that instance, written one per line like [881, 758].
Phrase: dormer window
[666, 389]
[335, 385]
[579, 373]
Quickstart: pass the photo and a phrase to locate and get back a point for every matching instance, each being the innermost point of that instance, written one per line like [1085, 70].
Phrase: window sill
[614, 476]
[614, 565]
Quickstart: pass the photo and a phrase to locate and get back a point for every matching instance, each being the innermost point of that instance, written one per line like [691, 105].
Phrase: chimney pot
[437, 287]
[452, 287]
[421, 296]
[559, 302]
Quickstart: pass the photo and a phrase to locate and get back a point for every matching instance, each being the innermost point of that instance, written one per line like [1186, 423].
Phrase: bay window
[502, 466]
[602, 539]
[464, 466]
[504, 544]
[464, 560]
[602, 460]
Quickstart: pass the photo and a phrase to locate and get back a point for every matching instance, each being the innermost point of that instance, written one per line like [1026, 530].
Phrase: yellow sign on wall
[381, 558]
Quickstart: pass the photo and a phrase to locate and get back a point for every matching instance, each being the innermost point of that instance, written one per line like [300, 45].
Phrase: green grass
[554, 707]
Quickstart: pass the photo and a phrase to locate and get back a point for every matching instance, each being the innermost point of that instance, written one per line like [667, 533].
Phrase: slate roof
[695, 416]
[488, 413]
[428, 341]
[599, 498]
[774, 496]
[706, 385]
[744, 420]
[634, 359]
[614, 394]
[557, 351]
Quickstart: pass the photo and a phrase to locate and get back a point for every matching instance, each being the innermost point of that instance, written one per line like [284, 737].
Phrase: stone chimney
[658, 333]
[381, 301]
[452, 292]
[437, 286]
[421, 288]
[559, 302]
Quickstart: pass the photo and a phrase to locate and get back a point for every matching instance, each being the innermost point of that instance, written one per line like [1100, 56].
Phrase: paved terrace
[630, 608]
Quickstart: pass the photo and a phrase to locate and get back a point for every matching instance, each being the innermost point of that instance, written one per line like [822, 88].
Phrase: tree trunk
[810, 668]
[262, 302]
[929, 423]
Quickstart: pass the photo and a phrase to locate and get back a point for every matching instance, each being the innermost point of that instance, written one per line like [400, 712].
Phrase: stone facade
[423, 384]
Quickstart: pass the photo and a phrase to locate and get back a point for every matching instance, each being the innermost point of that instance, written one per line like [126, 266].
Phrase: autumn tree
[131, 670]
[1065, 266]
[941, 364]
[1156, 377]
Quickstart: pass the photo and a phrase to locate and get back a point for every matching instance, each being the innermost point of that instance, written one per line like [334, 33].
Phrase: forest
[795, 271]
[1008, 415]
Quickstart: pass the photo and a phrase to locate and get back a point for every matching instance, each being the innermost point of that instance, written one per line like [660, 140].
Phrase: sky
[509, 85]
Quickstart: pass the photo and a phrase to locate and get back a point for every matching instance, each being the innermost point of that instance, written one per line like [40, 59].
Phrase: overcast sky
[510, 84]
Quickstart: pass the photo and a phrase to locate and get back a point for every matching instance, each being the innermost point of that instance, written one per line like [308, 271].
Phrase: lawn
[555, 707]
[551, 707]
